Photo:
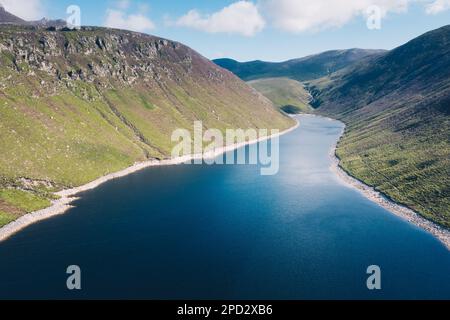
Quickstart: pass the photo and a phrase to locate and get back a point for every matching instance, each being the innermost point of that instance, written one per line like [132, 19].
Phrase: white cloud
[27, 10]
[241, 17]
[304, 15]
[135, 22]
[438, 6]
[123, 4]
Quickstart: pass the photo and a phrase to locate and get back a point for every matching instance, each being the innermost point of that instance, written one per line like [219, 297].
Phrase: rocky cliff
[75, 105]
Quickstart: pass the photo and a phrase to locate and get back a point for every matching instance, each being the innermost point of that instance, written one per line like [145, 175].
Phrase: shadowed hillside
[8, 18]
[281, 82]
[311, 67]
[397, 110]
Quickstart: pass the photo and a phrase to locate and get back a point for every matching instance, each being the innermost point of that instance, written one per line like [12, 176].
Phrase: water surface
[203, 232]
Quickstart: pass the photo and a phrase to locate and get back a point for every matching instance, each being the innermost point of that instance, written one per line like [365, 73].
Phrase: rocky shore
[399, 210]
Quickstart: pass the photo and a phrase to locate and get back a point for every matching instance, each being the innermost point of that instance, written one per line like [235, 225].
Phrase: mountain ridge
[11, 19]
[300, 69]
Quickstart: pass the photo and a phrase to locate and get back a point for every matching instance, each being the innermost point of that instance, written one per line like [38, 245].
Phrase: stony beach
[399, 210]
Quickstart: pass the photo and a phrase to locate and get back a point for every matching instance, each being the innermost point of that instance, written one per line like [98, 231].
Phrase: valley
[134, 165]
[287, 94]
[396, 105]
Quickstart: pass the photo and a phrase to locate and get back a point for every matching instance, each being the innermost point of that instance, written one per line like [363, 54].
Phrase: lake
[225, 231]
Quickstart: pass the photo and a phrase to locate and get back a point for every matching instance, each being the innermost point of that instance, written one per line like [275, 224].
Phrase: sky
[270, 30]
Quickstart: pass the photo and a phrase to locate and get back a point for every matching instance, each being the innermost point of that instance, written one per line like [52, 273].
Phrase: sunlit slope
[75, 105]
[287, 94]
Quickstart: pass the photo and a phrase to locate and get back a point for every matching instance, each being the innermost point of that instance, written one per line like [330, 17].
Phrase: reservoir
[227, 232]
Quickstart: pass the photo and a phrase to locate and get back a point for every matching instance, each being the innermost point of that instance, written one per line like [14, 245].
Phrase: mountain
[8, 18]
[281, 82]
[75, 105]
[397, 109]
[311, 67]
[287, 94]
[46, 23]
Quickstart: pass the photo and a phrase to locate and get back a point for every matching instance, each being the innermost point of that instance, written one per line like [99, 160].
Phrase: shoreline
[405, 213]
[67, 196]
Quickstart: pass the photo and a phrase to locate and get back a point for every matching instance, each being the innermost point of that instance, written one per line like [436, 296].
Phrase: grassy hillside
[287, 94]
[397, 110]
[76, 105]
[307, 68]
[282, 82]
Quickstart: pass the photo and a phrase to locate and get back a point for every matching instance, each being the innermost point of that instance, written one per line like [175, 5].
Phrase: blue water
[204, 232]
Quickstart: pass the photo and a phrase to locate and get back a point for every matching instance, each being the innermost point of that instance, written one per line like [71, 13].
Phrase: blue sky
[271, 30]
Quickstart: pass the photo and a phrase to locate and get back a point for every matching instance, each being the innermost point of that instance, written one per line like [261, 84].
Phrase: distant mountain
[10, 19]
[46, 23]
[414, 70]
[397, 107]
[311, 67]
[76, 105]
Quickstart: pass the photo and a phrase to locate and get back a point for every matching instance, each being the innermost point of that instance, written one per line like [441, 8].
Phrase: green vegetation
[397, 110]
[411, 167]
[15, 202]
[396, 106]
[311, 67]
[6, 218]
[23, 200]
[287, 94]
[77, 105]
